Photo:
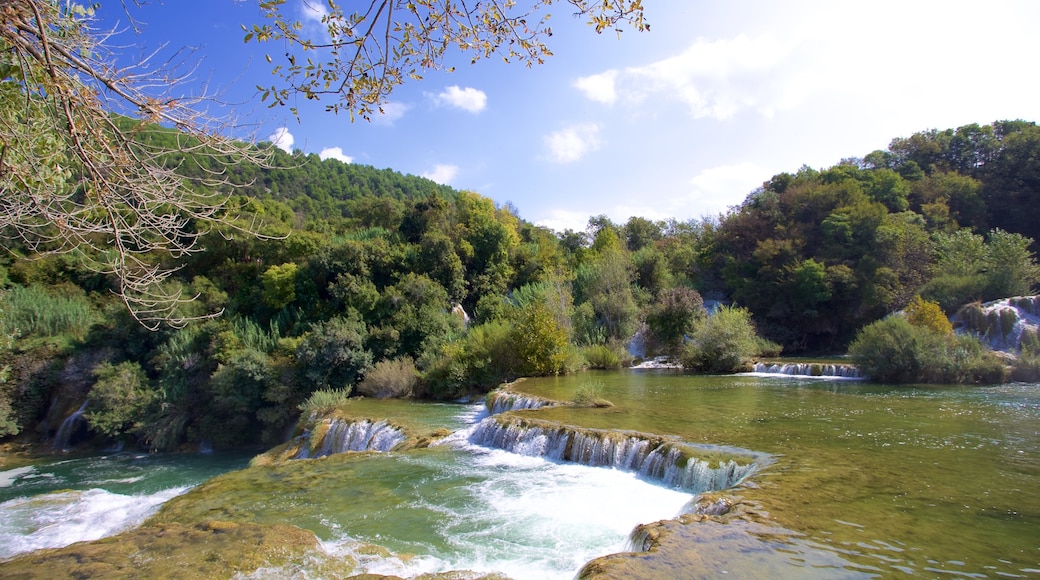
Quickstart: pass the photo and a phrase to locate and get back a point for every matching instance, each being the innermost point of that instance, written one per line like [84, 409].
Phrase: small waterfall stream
[816, 370]
[672, 462]
[1005, 325]
[71, 424]
[342, 435]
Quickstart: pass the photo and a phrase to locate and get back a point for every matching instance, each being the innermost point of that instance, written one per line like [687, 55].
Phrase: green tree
[118, 399]
[724, 342]
[1011, 267]
[541, 343]
[279, 285]
[675, 315]
[332, 354]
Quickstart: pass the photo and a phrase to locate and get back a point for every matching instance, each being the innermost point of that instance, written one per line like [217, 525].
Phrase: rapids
[821, 478]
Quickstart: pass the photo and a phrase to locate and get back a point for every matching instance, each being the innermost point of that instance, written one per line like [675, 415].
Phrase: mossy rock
[216, 549]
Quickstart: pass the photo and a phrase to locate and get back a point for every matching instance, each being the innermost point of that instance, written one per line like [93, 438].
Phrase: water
[862, 480]
[56, 503]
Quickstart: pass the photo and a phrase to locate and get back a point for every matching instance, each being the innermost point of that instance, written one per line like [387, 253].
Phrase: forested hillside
[366, 281]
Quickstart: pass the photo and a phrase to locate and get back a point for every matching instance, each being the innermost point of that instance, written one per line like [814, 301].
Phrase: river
[846, 479]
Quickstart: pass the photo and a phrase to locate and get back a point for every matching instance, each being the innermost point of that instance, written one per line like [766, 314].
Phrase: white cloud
[563, 219]
[282, 139]
[718, 79]
[442, 174]
[335, 153]
[467, 99]
[716, 189]
[391, 113]
[599, 88]
[313, 10]
[573, 143]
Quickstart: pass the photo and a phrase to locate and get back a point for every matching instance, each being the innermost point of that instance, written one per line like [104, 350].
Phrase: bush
[725, 342]
[390, 379]
[324, 401]
[480, 360]
[892, 350]
[674, 316]
[119, 398]
[333, 355]
[601, 356]
[589, 394]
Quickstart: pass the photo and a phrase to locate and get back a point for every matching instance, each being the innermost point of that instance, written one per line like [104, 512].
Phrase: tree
[85, 146]
[84, 165]
[365, 54]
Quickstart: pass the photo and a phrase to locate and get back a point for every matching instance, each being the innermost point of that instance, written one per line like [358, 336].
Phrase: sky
[679, 122]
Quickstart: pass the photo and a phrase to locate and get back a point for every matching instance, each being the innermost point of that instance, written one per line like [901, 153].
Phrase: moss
[215, 549]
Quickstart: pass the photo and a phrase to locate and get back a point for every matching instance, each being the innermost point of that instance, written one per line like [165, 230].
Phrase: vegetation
[725, 342]
[370, 282]
[893, 350]
[590, 394]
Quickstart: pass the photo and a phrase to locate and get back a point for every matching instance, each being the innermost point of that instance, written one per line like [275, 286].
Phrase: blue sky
[679, 122]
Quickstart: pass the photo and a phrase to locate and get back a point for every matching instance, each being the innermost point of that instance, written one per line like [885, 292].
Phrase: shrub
[119, 398]
[589, 394]
[601, 356]
[674, 316]
[332, 354]
[33, 310]
[324, 400]
[478, 361]
[390, 378]
[723, 343]
[892, 350]
[928, 315]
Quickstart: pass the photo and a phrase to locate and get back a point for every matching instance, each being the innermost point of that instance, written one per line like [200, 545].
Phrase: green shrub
[32, 310]
[590, 394]
[119, 398]
[601, 356]
[724, 342]
[390, 378]
[892, 350]
[479, 360]
[325, 400]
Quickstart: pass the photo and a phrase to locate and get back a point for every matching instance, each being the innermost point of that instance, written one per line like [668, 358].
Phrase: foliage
[674, 316]
[43, 312]
[332, 354]
[601, 356]
[324, 401]
[78, 177]
[893, 350]
[541, 343]
[724, 342]
[119, 398]
[390, 379]
[360, 57]
[478, 361]
[928, 315]
[590, 394]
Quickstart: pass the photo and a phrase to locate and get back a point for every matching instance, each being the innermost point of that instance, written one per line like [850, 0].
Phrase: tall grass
[31, 310]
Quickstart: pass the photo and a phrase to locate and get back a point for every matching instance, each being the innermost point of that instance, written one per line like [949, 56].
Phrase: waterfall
[70, 426]
[500, 401]
[343, 435]
[818, 370]
[670, 461]
[1004, 325]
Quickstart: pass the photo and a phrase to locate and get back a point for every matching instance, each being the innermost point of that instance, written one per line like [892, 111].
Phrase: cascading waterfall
[353, 435]
[820, 370]
[501, 401]
[63, 438]
[672, 462]
[1004, 325]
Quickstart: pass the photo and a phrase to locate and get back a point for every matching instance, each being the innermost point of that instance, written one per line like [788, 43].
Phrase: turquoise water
[862, 480]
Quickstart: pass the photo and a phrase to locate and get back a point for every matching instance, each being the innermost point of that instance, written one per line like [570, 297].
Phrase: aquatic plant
[589, 394]
[324, 400]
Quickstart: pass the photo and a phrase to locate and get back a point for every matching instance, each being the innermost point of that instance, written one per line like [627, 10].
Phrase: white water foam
[9, 476]
[54, 520]
[528, 518]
